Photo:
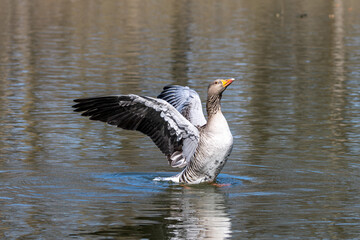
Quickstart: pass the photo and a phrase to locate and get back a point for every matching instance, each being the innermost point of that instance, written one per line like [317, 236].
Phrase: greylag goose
[176, 124]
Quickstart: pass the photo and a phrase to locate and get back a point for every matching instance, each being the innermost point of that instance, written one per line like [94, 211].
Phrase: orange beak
[227, 82]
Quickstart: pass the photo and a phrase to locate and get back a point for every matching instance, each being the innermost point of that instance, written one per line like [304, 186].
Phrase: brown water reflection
[294, 113]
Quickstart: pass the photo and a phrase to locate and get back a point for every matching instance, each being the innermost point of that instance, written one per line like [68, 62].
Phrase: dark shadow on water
[167, 210]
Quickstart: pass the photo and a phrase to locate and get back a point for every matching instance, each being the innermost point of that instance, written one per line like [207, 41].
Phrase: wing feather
[186, 101]
[156, 118]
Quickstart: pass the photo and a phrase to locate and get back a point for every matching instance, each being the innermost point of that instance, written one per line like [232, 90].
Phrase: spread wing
[186, 101]
[172, 133]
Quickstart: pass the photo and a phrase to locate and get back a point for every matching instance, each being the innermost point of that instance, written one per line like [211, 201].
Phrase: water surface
[294, 112]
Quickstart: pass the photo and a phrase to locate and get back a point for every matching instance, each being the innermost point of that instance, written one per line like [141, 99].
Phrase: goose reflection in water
[195, 212]
[202, 215]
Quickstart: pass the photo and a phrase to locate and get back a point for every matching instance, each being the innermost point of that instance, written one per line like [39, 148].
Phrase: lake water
[294, 111]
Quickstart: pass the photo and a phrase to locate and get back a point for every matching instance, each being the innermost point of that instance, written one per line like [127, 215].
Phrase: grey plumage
[175, 123]
[186, 101]
[156, 118]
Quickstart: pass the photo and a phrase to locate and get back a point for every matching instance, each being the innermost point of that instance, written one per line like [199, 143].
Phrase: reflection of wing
[169, 130]
[186, 101]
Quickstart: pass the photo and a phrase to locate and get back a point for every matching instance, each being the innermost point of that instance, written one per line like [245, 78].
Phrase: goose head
[218, 86]
[215, 91]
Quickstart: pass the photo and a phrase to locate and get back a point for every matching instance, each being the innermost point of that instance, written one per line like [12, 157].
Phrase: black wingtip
[76, 105]
[79, 102]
